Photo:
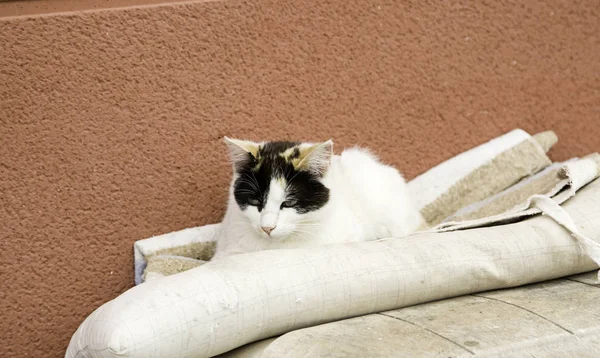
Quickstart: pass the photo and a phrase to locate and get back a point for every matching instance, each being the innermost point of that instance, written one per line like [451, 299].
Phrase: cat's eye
[253, 202]
[288, 204]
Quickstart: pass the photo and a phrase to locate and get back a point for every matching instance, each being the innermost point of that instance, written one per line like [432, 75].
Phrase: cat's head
[277, 185]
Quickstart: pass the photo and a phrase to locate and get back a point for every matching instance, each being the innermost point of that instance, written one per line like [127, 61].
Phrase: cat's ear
[241, 151]
[315, 158]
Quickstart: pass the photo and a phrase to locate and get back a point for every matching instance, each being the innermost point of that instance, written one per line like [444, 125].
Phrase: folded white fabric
[560, 184]
[225, 304]
[174, 252]
[439, 179]
[480, 173]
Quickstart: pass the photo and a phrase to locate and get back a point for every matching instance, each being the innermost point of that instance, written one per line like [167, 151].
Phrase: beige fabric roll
[240, 299]
[549, 181]
[507, 168]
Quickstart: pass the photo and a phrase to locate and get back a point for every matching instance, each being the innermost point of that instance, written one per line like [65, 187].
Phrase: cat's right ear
[241, 152]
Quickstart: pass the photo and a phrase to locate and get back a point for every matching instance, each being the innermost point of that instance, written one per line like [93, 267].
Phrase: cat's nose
[268, 229]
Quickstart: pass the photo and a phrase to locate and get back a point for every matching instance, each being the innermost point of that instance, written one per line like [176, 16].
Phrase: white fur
[368, 200]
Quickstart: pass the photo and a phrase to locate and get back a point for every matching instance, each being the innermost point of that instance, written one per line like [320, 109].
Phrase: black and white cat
[293, 195]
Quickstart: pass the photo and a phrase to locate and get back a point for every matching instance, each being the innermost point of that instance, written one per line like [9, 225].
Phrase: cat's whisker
[253, 184]
[310, 229]
[254, 179]
[308, 232]
[246, 189]
[292, 179]
[242, 191]
[304, 233]
[309, 223]
[245, 181]
[318, 226]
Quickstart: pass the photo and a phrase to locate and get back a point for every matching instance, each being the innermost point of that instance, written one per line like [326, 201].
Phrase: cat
[296, 195]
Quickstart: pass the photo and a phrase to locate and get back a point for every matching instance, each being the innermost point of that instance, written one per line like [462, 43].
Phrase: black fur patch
[304, 190]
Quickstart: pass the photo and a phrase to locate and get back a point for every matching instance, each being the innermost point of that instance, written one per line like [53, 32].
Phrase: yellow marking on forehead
[282, 182]
[258, 158]
[254, 151]
[289, 153]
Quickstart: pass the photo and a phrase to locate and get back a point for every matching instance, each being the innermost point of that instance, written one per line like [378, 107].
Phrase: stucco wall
[111, 121]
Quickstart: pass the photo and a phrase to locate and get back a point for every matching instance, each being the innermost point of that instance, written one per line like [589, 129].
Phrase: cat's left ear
[316, 158]
[241, 152]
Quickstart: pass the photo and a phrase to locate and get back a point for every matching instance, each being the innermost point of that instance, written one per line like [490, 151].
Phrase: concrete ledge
[12, 8]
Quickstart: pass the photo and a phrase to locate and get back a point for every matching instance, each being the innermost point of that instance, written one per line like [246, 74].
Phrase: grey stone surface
[559, 318]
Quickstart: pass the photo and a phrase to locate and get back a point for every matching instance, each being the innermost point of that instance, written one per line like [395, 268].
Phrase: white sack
[240, 299]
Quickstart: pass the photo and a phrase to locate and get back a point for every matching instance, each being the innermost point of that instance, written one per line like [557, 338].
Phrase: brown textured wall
[111, 121]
